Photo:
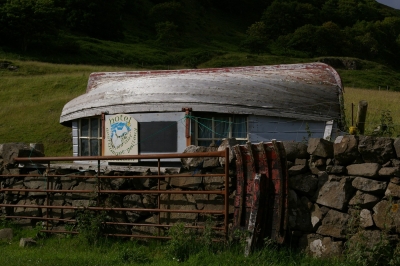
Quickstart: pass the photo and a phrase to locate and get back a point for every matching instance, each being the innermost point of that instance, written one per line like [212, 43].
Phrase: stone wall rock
[228, 143]
[6, 234]
[364, 169]
[334, 224]
[321, 247]
[387, 215]
[396, 145]
[376, 149]
[346, 150]
[364, 200]
[295, 150]
[197, 163]
[320, 147]
[336, 192]
[366, 218]
[304, 184]
[392, 190]
[369, 185]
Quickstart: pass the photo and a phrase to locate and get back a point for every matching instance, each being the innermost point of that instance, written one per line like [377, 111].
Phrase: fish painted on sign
[118, 132]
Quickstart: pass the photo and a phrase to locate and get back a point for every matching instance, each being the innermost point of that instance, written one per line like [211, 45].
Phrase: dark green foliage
[168, 11]
[95, 18]
[109, 32]
[90, 225]
[26, 21]
[167, 33]
[256, 40]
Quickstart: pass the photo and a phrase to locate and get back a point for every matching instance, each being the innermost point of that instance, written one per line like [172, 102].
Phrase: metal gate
[45, 210]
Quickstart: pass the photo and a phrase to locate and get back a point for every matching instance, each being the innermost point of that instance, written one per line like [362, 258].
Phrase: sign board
[121, 136]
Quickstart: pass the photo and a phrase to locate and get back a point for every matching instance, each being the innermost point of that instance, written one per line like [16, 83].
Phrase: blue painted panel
[267, 128]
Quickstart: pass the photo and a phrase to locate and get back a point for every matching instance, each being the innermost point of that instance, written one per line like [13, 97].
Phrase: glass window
[90, 136]
[210, 129]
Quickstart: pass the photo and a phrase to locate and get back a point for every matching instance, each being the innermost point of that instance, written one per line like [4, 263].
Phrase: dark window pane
[205, 143]
[222, 127]
[204, 128]
[84, 127]
[94, 147]
[94, 127]
[158, 136]
[239, 127]
[84, 147]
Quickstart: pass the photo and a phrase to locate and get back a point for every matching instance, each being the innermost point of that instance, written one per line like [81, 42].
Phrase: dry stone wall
[347, 191]
[344, 191]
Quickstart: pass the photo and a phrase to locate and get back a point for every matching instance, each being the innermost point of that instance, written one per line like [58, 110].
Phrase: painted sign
[121, 135]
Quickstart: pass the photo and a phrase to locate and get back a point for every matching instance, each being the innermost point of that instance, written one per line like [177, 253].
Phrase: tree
[256, 40]
[168, 11]
[329, 39]
[167, 33]
[95, 18]
[305, 39]
[280, 18]
[25, 21]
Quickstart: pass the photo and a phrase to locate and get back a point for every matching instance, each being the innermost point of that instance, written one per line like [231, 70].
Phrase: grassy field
[32, 99]
[382, 105]
[66, 250]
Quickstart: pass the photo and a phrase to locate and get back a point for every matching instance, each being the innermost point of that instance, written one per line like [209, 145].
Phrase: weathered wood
[361, 116]
[253, 219]
[239, 195]
[261, 200]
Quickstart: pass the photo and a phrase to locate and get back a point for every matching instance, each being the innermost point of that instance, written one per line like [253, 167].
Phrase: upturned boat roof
[309, 91]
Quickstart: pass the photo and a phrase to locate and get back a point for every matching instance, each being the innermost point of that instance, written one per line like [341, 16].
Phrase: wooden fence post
[361, 116]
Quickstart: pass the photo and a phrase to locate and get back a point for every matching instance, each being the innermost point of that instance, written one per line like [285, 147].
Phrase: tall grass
[378, 103]
[62, 250]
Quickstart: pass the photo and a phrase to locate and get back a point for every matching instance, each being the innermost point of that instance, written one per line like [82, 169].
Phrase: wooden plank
[261, 165]
[239, 195]
[250, 173]
[253, 219]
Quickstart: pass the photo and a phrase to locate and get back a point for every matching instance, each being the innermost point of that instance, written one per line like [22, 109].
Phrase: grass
[62, 250]
[378, 103]
[32, 99]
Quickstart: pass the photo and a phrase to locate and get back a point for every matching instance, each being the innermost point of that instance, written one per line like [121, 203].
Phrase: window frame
[89, 136]
[215, 138]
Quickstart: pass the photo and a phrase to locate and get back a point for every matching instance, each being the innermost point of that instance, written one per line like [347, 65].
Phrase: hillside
[162, 33]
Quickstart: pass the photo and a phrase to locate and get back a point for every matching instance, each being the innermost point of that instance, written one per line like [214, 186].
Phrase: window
[158, 136]
[212, 128]
[90, 136]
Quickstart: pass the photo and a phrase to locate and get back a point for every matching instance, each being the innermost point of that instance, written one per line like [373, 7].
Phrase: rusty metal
[239, 196]
[306, 91]
[120, 157]
[50, 190]
[209, 192]
[261, 200]
[115, 177]
[226, 222]
[187, 125]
